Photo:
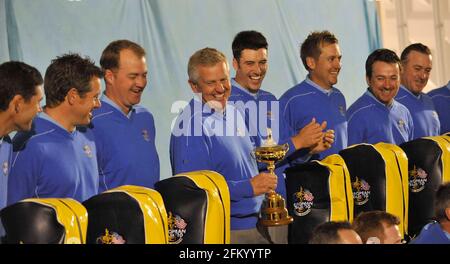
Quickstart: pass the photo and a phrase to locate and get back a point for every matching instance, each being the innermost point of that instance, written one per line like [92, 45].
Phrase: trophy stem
[273, 210]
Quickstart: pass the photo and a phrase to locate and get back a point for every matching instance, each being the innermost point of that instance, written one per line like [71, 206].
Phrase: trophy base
[273, 211]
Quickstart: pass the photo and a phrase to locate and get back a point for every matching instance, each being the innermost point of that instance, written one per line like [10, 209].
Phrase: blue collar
[105, 99]
[315, 85]
[369, 93]
[44, 116]
[448, 85]
[237, 85]
[409, 92]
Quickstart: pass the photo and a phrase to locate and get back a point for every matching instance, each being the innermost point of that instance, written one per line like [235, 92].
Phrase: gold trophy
[273, 209]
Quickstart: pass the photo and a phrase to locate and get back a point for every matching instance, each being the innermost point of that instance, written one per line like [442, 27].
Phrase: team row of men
[83, 143]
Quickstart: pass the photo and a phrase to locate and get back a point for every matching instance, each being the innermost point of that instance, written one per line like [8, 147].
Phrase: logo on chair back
[177, 228]
[110, 238]
[303, 202]
[417, 179]
[361, 191]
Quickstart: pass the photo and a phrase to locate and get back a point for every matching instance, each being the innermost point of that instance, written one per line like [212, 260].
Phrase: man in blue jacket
[316, 97]
[438, 232]
[261, 111]
[376, 116]
[125, 131]
[20, 97]
[210, 134]
[57, 158]
[416, 68]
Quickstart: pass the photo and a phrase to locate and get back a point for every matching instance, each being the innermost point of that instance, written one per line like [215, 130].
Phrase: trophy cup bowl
[273, 209]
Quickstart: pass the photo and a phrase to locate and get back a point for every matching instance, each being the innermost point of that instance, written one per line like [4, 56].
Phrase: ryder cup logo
[303, 202]
[145, 135]
[361, 191]
[177, 228]
[110, 238]
[87, 150]
[417, 179]
[5, 168]
[401, 125]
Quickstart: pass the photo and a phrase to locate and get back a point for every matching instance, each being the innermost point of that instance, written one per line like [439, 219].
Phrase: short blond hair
[204, 57]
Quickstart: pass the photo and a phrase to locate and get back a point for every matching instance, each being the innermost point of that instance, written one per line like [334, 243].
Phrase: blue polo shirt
[203, 139]
[371, 121]
[126, 150]
[5, 163]
[421, 108]
[51, 162]
[307, 100]
[441, 100]
[432, 233]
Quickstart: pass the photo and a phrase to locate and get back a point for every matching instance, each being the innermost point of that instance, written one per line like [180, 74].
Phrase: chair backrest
[45, 221]
[317, 192]
[127, 214]
[198, 204]
[428, 167]
[379, 179]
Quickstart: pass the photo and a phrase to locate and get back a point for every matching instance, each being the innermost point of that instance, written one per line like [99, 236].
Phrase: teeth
[255, 77]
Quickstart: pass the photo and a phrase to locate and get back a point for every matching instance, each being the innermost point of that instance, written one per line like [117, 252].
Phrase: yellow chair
[127, 214]
[45, 221]
[198, 205]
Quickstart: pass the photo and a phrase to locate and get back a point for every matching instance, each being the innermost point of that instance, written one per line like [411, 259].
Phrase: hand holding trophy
[273, 209]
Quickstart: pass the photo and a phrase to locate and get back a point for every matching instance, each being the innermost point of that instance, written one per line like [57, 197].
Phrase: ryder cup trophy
[273, 209]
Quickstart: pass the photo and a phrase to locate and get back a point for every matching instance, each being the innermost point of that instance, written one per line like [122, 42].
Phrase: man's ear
[368, 80]
[235, 64]
[109, 76]
[72, 95]
[194, 87]
[311, 62]
[16, 103]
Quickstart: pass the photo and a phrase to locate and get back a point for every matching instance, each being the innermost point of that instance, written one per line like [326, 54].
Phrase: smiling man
[125, 131]
[20, 97]
[316, 97]
[57, 158]
[376, 116]
[416, 68]
[261, 110]
[210, 134]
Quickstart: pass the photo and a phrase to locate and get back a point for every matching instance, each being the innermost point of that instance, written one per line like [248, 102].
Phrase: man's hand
[310, 135]
[263, 183]
[325, 143]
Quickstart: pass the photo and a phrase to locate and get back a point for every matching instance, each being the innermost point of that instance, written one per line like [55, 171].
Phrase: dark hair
[419, 47]
[17, 78]
[442, 201]
[111, 54]
[384, 55]
[370, 224]
[66, 72]
[312, 46]
[327, 233]
[250, 39]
